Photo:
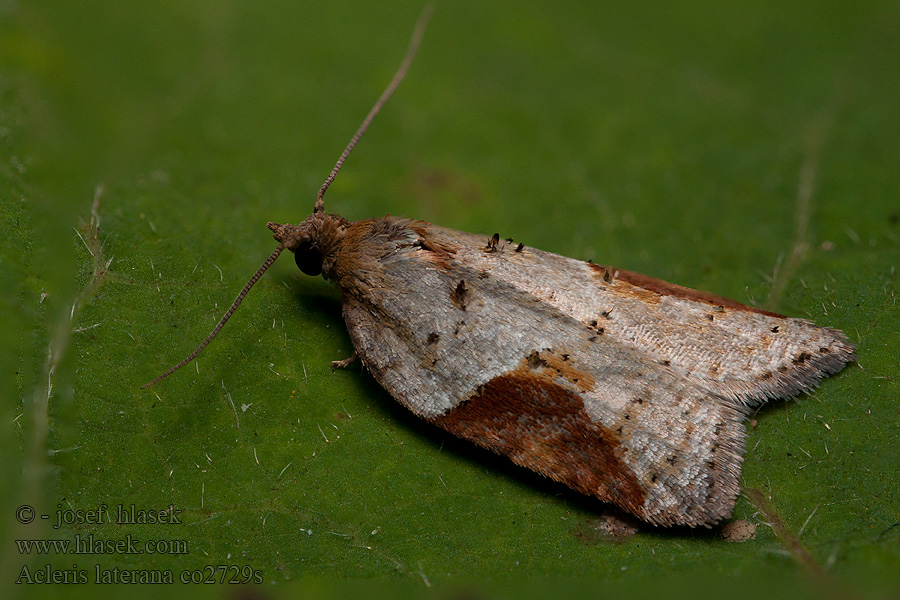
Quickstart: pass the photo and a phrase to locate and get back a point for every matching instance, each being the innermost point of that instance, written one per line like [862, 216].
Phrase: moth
[621, 386]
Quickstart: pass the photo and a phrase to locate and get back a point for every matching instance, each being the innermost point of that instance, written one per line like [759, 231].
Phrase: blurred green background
[749, 149]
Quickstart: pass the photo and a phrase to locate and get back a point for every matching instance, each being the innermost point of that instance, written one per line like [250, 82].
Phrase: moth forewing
[510, 350]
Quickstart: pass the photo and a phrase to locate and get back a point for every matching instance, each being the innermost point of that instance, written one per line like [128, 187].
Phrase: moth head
[313, 241]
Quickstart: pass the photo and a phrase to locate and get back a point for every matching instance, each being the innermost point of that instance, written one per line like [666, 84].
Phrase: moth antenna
[385, 95]
[320, 202]
[224, 319]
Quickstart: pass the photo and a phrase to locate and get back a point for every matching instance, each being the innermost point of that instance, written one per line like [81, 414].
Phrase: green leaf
[746, 149]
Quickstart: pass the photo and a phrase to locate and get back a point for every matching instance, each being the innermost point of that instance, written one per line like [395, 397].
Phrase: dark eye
[308, 259]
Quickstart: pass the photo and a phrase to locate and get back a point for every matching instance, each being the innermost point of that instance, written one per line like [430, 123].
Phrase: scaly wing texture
[492, 362]
[736, 351]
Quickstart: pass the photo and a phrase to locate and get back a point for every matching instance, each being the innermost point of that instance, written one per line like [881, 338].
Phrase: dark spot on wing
[802, 358]
[460, 295]
[534, 361]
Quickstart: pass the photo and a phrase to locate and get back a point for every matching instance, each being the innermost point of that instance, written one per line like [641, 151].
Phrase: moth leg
[340, 364]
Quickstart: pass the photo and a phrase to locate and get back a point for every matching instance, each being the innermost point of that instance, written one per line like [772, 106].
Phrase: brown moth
[623, 387]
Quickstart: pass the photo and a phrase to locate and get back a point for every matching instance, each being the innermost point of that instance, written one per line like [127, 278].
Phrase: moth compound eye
[308, 259]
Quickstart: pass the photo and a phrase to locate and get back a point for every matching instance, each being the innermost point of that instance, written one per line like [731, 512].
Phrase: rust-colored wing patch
[664, 288]
[543, 426]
